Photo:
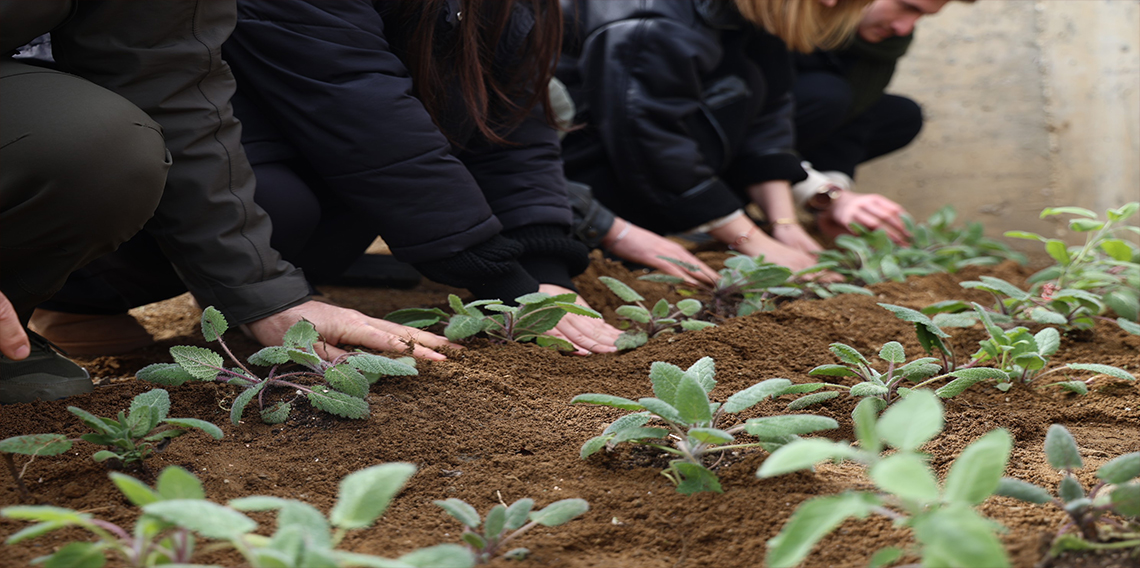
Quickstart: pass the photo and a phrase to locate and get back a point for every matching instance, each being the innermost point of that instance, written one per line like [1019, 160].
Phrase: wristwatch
[821, 201]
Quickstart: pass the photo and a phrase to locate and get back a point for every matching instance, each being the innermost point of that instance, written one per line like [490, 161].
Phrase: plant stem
[240, 365]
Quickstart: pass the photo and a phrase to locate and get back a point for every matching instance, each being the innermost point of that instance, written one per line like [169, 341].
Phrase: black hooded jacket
[323, 81]
[685, 104]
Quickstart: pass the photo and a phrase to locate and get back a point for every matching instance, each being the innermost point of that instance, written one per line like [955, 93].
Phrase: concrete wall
[1028, 105]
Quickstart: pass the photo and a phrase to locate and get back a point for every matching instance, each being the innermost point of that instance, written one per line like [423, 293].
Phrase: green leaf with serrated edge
[911, 422]
[704, 371]
[301, 335]
[770, 427]
[417, 317]
[628, 421]
[662, 279]
[915, 317]
[1070, 489]
[277, 413]
[242, 399]
[134, 490]
[151, 407]
[36, 445]
[813, 520]
[665, 378]
[495, 523]
[456, 304]
[663, 409]
[1121, 469]
[695, 479]
[848, 354]
[177, 483]
[1048, 340]
[554, 342]
[660, 309]
[169, 374]
[976, 472]
[893, 352]
[518, 513]
[1103, 370]
[752, 395]
[806, 401]
[635, 434]
[803, 454]
[207, 427]
[885, 557]
[375, 366]
[710, 435]
[1061, 449]
[439, 556]
[1078, 387]
[269, 356]
[869, 389]
[689, 307]
[692, 402]
[93, 422]
[77, 555]
[571, 307]
[1126, 500]
[345, 378]
[365, 494]
[635, 313]
[560, 512]
[956, 535]
[918, 372]
[338, 403]
[594, 445]
[906, 476]
[620, 289]
[607, 400]
[833, 371]
[213, 324]
[203, 517]
[959, 385]
[631, 340]
[202, 363]
[311, 360]
[694, 325]
[462, 326]
[1022, 490]
[863, 418]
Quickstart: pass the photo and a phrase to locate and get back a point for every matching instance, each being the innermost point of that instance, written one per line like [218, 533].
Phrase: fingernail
[22, 352]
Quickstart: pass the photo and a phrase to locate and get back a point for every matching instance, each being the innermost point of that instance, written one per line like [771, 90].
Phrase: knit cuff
[490, 270]
[550, 255]
[768, 167]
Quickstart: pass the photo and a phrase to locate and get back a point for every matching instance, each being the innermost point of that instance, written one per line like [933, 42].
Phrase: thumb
[13, 339]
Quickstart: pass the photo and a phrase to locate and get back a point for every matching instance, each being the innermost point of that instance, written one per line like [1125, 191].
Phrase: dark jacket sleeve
[165, 57]
[325, 74]
[643, 93]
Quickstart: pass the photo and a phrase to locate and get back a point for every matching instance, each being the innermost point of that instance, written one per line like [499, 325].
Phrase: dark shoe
[43, 375]
[377, 271]
[90, 334]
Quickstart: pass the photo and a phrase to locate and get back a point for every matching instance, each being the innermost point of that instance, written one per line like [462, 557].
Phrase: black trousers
[832, 140]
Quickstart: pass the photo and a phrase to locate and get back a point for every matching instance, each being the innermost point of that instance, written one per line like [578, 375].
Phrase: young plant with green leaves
[948, 531]
[177, 510]
[930, 335]
[534, 315]
[338, 387]
[746, 285]
[1089, 525]
[692, 427]
[130, 437]
[504, 524]
[642, 323]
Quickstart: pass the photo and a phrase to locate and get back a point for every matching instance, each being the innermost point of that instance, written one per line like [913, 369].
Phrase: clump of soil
[493, 423]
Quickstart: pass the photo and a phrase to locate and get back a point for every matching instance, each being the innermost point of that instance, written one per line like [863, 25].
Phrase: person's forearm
[774, 198]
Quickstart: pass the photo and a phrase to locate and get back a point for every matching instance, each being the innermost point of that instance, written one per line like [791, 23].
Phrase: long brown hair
[496, 99]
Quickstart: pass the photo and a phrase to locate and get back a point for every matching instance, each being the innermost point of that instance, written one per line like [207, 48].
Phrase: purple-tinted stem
[226, 348]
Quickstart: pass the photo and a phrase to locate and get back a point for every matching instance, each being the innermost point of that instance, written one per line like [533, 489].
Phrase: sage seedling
[643, 323]
[504, 524]
[1088, 525]
[340, 388]
[947, 529]
[692, 425]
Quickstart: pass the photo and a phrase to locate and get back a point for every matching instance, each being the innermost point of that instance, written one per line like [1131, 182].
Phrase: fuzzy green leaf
[1126, 500]
[1050, 211]
[956, 535]
[885, 557]
[833, 371]
[202, 363]
[338, 403]
[694, 325]
[704, 371]
[518, 513]
[620, 289]
[660, 309]
[1047, 316]
[554, 342]
[689, 307]
[907, 476]
[978, 469]
[869, 389]
[95, 423]
[967, 378]
[911, 422]
[36, 445]
[1121, 469]
[77, 555]
[892, 352]
[462, 326]
[607, 400]
[1103, 370]
[177, 483]
[770, 427]
[813, 520]
[203, 517]
[277, 413]
[1070, 489]
[1059, 251]
[864, 418]
[375, 366]
[213, 324]
[365, 494]
[915, 317]
[461, 510]
[803, 454]
[572, 308]
[631, 340]
[663, 409]
[1022, 490]
[156, 399]
[594, 445]
[169, 374]
[637, 434]
[496, 522]
[710, 435]
[665, 378]
[692, 402]
[439, 556]
[806, 401]
[301, 335]
[306, 358]
[134, 490]
[1061, 449]
[417, 317]
[848, 354]
[346, 379]
[207, 427]
[242, 399]
[752, 395]
[696, 479]
[560, 512]
[269, 356]
[104, 455]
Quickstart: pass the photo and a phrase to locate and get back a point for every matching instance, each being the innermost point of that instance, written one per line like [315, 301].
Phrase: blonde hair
[805, 25]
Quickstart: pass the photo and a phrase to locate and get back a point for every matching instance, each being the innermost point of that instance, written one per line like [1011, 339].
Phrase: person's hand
[794, 235]
[13, 339]
[742, 235]
[339, 325]
[870, 210]
[648, 248]
[587, 334]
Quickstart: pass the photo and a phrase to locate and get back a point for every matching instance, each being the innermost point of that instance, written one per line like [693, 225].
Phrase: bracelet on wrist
[621, 234]
[742, 238]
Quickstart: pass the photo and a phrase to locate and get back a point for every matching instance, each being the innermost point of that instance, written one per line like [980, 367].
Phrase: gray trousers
[81, 171]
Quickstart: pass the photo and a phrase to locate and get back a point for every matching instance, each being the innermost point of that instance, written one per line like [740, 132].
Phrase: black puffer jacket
[686, 104]
[324, 82]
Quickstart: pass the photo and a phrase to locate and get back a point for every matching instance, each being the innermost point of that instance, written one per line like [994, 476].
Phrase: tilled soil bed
[494, 423]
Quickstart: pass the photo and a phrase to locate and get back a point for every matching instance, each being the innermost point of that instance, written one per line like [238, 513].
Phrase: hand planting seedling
[649, 323]
[534, 315]
[504, 524]
[871, 257]
[177, 509]
[947, 529]
[693, 425]
[342, 384]
[1088, 526]
[133, 437]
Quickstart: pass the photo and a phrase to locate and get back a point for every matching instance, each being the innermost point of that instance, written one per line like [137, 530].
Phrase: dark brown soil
[494, 423]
